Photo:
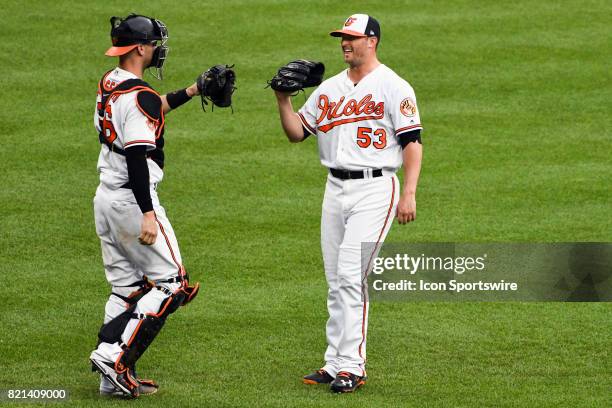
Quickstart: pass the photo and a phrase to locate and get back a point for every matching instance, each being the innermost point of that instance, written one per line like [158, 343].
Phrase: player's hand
[283, 96]
[148, 229]
[406, 208]
[193, 90]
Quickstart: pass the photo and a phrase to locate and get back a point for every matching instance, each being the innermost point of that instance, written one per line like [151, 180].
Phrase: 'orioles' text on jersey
[357, 126]
[127, 122]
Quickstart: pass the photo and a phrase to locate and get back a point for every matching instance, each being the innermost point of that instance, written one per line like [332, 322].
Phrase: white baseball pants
[118, 222]
[354, 212]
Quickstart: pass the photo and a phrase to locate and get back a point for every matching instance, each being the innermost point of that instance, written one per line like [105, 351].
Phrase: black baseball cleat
[347, 382]
[318, 377]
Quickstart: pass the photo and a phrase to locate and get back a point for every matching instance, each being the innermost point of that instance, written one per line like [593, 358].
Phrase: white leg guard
[153, 308]
[114, 307]
[149, 317]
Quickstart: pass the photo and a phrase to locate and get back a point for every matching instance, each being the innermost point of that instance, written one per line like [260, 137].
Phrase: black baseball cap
[359, 25]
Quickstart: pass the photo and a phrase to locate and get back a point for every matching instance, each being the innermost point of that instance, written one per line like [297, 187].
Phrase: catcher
[129, 119]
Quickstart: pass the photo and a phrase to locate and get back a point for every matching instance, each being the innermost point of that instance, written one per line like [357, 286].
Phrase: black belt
[128, 185]
[353, 174]
[111, 146]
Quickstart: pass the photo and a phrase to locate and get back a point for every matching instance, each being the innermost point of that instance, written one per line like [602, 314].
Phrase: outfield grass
[514, 98]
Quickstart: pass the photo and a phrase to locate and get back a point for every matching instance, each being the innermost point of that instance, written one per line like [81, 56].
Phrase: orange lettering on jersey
[108, 130]
[334, 109]
[365, 109]
[349, 108]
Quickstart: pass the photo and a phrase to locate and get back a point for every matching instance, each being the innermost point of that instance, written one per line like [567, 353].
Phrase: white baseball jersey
[357, 128]
[125, 124]
[357, 125]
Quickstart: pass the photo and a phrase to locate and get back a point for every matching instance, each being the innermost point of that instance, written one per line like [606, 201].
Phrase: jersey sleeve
[139, 126]
[96, 118]
[308, 113]
[404, 110]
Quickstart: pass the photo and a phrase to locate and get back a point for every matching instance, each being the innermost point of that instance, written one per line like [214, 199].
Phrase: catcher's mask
[128, 32]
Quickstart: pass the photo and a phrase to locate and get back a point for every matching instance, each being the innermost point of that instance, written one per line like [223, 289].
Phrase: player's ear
[141, 49]
[375, 42]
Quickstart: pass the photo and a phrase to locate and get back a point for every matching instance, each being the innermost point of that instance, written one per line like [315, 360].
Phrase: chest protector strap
[127, 86]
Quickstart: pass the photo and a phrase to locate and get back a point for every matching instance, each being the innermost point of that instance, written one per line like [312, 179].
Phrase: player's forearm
[138, 175]
[292, 125]
[175, 99]
[412, 156]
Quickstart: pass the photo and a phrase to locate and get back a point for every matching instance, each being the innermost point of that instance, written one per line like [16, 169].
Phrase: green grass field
[514, 97]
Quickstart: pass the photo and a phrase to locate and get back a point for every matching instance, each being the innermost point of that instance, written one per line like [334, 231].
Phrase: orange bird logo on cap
[349, 21]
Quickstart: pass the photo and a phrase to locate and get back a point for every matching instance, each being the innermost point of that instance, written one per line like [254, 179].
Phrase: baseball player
[141, 256]
[367, 125]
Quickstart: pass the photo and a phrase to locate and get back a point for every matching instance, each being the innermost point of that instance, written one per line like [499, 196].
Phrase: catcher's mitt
[297, 75]
[217, 85]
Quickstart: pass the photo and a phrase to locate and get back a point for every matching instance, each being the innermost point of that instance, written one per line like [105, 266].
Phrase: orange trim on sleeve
[139, 141]
[411, 127]
[306, 125]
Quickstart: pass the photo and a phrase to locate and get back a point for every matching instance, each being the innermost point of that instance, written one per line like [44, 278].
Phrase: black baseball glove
[297, 75]
[217, 85]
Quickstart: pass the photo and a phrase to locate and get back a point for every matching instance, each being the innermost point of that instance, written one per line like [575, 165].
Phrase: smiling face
[357, 50]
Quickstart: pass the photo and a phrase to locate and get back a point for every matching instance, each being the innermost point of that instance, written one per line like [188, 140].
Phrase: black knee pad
[111, 332]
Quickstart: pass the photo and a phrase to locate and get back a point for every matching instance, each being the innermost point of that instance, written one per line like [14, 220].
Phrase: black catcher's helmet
[128, 32]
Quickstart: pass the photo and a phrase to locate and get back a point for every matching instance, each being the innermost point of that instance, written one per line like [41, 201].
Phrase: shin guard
[147, 329]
